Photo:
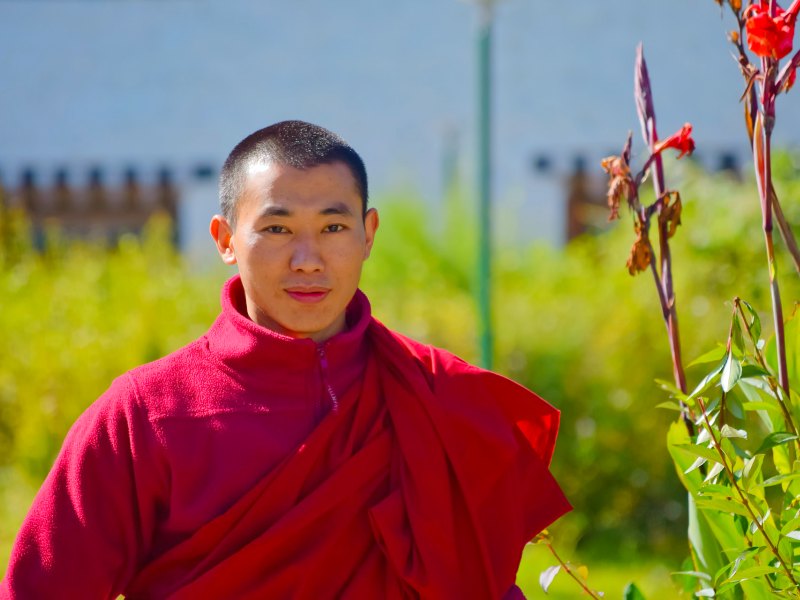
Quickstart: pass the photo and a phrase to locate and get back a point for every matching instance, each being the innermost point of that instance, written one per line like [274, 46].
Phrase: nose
[306, 256]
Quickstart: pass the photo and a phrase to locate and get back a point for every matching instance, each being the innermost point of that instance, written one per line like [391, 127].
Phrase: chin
[304, 329]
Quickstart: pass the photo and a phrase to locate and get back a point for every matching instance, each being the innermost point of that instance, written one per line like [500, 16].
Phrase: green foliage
[571, 324]
[740, 467]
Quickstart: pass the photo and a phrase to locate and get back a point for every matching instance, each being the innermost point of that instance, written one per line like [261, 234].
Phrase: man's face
[300, 241]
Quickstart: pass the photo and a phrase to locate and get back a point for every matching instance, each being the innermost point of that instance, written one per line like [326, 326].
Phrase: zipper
[323, 361]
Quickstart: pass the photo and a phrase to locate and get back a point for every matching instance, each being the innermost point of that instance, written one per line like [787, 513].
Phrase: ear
[371, 222]
[222, 232]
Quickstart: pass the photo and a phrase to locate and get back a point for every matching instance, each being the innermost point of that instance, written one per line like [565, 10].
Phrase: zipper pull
[323, 361]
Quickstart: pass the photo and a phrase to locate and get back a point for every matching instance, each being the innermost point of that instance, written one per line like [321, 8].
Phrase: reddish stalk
[762, 158]
[785, 230]
[647, 118]
[667, 290]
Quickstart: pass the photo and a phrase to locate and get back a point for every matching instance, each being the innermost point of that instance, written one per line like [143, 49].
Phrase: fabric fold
[427, 483]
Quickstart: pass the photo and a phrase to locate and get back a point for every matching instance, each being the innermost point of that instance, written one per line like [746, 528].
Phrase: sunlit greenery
[571, 324]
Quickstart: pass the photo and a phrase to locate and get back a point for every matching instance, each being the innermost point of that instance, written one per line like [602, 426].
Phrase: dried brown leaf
[641, 255]
[670, 215]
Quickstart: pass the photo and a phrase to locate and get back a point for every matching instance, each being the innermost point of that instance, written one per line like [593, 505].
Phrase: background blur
[109, 86]
[116, 116]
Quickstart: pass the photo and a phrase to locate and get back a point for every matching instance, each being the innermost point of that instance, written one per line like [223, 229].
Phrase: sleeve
[91, 522]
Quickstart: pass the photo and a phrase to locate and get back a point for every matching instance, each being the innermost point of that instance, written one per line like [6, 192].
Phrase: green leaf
[715, 355]
[700, 451]
[703, 437]
[709, 379]
[731, 372]
[752, 406]
[734, 404]
[714, 471]
[739, 559]
[729, 432]
[738, 338]
[755, 589]
[782, 460]
[753, 371]
[547, 576]
[716, 489]
[725, 506]
[632, 593]
[791, 525]
[776, 438]
[668, 386]
[709, 533]
[779, 479]
[669, 405]
[752, 469]
[699, 462]
[752, 572]
[754, 322]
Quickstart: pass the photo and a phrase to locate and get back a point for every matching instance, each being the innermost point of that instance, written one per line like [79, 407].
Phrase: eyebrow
[337, 208]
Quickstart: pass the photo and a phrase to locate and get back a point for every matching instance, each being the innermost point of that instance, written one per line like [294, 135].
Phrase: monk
[299, 449]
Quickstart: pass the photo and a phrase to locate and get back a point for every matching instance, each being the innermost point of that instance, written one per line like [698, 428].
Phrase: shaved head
[294, 143]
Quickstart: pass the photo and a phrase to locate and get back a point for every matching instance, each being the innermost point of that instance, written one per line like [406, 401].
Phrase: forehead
[274, 182]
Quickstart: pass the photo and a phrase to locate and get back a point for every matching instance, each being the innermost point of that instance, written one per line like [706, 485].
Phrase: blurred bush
[571, 324]
[76, 315]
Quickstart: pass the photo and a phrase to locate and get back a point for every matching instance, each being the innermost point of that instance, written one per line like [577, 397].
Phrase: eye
[275, 229]
[335, 228]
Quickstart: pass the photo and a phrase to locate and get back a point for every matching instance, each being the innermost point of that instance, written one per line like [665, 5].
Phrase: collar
[245, 346]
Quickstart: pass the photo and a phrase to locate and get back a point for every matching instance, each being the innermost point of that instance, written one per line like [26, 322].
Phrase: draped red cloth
[426, 483]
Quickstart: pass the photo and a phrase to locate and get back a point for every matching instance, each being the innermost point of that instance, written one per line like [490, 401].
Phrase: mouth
[308, 295]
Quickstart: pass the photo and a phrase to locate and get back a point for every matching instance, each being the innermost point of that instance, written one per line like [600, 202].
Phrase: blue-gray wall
[179, 82]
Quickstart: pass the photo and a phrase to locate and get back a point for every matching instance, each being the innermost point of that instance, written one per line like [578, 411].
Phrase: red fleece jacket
[170, 481]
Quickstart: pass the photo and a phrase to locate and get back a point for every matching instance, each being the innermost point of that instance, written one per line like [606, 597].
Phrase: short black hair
[294, 143]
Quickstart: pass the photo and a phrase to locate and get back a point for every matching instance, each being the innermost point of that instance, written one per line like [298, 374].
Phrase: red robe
[425, 481]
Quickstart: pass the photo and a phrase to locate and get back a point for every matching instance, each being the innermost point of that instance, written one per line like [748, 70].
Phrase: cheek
[350, 260]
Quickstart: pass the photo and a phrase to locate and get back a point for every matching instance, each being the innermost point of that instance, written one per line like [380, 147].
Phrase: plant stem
[745, 502]
[777, 311]
[763, 165]
[786, 231]
[672, 333]
[569, 571]
[671, 316]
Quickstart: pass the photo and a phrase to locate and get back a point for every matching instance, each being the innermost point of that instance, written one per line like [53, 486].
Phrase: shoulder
[159, 384]
[439, 363]
[478, 399]
[171, 365]
[134, 403]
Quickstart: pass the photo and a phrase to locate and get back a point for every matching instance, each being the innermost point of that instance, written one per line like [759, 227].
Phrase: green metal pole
[484, 183]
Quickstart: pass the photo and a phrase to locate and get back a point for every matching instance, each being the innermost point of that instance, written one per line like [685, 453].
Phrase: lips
[308, 295]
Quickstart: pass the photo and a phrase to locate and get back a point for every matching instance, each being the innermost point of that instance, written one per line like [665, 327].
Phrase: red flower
[770, 36]
[681, 141]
